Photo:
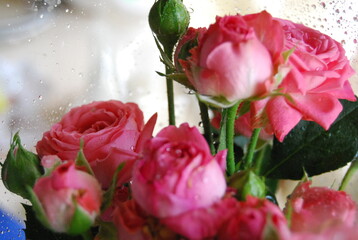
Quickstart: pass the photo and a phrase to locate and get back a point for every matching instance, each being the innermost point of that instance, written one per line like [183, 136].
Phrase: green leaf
[108, 195]
[81, 160]
[222, 136]
[309, 148]
[36, 231]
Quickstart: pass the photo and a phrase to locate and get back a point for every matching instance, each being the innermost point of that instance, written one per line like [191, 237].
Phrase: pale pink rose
[178, 173]
[316, 209]
[65, 190]
[318, 77]
[253, 219]
[110, 131]
[202, 223]
[236, 57]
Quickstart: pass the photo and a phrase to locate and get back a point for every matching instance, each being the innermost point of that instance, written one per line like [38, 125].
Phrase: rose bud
[316, 209]
[178, 173]
[70, 199]
[247, 183]
[19, 160]
[168, 19]
[188, 41]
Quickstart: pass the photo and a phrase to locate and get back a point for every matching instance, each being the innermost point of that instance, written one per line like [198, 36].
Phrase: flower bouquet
[275, 103]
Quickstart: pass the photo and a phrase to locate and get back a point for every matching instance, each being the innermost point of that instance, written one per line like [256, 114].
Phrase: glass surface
[57, 54]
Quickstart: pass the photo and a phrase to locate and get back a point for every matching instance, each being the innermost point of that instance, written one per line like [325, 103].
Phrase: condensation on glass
[57, 54]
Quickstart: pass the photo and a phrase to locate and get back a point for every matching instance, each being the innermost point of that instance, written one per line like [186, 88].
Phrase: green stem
[230, 133]
[170, 89]
[207, 126]
[349, 174]
[259, 160]
[251, 149]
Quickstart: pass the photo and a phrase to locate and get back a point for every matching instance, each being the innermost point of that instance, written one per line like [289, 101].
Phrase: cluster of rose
[100, 173]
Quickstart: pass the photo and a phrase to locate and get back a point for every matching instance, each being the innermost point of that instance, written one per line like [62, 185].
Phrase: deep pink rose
[202, 223]
[318, 77]
[110, 131]
[121, 194]
[178, 173]
[65, 190]
[236, 57]
[315, 209]
[253, 219]
[129, 220]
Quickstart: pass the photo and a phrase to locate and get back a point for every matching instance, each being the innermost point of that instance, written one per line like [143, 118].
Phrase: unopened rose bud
[20, 169]
[70, 199]
[168, 19]
[248, 183]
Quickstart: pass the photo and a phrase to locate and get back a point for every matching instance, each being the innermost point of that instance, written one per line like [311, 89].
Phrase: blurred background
[57, 54]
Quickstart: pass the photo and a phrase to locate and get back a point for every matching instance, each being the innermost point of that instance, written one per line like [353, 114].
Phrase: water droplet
[313, 6]
[7, 5]
[67, 10]
[355, 41]
[68, 26]
[323, 4]
[178, 152]
[41, 16]
[200, 124]
[337, 11]
[40, 97]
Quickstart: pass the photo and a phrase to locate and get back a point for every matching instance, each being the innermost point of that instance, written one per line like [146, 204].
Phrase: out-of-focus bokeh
[57, 54]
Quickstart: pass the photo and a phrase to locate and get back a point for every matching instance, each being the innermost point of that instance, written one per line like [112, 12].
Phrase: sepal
[19, 160]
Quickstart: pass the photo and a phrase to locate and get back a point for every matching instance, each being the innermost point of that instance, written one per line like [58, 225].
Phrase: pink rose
[110, 131]
[315, 209]
[318, 77]
[65, 191]
[236, 57]
[178, 173]
[253, 219]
